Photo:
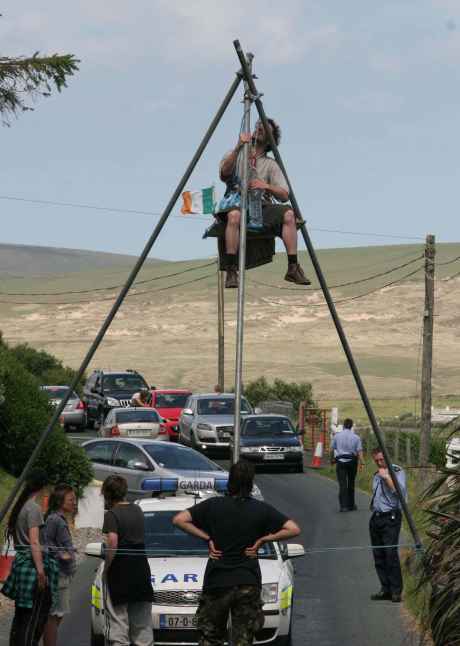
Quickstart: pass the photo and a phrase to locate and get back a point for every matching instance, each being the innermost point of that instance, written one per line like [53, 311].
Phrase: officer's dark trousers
[346, 476]
[384, 530]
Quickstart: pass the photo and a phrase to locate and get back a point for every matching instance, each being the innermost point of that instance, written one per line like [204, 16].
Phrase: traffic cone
[317, 455]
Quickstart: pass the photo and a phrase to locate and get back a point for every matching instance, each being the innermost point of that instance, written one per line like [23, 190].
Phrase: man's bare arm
[281, 194]
[228, 164]
[288, 530]
[111, 542]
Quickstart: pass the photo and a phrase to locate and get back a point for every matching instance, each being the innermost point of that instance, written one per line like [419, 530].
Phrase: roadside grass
[385, 408]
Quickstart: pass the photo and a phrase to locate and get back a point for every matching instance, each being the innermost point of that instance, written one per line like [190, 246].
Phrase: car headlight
[249, 449]
[269, 593]
[111, 401]
[203, 427]
[296, 449]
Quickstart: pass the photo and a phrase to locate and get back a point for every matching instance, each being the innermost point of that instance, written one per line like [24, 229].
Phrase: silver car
[74, 413]
[134, 422]
[207, 420]
[145, 463]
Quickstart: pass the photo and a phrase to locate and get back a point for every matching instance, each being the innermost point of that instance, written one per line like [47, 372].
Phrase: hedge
[24, 414]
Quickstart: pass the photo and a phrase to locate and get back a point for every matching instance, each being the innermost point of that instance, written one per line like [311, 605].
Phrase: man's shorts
[62, 606]
[273, 217]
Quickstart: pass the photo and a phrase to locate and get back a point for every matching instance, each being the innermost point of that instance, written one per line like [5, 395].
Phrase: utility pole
[220, 330]
[427, 359]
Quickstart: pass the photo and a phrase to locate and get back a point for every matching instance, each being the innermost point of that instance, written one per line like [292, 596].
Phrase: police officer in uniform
[346, 451]
[384, 528]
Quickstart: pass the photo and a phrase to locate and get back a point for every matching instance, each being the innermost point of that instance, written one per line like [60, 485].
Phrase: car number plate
[225, 436]
[273, 456]
[180, 622]
[139, 433]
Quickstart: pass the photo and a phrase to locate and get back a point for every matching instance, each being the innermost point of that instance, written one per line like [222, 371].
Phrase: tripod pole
[247, 73]
[122, 295]
[242, 266]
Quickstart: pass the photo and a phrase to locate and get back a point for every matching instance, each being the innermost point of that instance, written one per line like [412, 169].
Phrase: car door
[132, 463]
[186, 420]
[101, 456]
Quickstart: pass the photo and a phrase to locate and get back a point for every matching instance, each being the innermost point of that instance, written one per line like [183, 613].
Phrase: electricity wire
[347, 284]
[109, 287]
[110, 298]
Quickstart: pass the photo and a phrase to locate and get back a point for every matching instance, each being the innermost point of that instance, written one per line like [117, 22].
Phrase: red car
[169, 404]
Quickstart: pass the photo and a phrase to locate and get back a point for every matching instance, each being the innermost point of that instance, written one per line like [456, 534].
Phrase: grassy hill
[167, 326]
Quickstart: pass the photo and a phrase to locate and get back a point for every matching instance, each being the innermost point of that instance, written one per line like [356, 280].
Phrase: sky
[367, 95]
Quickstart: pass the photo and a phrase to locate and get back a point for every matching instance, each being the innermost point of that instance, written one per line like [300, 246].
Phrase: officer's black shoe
[396, 598]
[344, 509]
[382, 596]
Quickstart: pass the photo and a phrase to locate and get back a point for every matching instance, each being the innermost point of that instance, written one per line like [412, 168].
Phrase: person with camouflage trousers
[236, 527]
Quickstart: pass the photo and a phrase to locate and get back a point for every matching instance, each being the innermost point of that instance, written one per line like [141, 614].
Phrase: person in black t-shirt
[235, 527]
[128, 593]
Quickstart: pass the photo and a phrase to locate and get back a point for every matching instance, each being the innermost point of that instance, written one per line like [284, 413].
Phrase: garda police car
[177, 563]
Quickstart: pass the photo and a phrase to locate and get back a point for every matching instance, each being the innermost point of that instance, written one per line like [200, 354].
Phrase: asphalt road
[332, 605]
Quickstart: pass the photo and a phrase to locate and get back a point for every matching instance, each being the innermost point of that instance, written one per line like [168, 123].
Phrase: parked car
[74, 413]
[270, 440]
[177, 564]
[134, 422]
[106, 389]
[169, 404]
[207, 420]
[140, 461]
[453, 453]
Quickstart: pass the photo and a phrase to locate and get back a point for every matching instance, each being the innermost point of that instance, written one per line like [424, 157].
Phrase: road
[332, 605]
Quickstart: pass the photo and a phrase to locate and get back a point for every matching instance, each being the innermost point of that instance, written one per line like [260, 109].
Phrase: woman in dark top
[62, 501]
[128, 590]
[32, 583]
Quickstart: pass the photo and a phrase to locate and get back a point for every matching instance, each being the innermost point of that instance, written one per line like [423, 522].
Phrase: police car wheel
[286, 640]
[96, 640]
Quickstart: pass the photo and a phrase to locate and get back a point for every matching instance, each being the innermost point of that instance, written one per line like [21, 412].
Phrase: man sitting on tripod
[278, 219]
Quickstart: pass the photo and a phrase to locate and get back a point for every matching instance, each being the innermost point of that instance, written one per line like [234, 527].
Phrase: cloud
[173, 31]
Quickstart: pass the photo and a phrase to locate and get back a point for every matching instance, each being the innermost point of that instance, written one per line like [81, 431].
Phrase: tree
[25, 78]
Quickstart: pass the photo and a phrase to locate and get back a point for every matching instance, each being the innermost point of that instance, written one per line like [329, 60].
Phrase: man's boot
[295, 275]
[231, 280]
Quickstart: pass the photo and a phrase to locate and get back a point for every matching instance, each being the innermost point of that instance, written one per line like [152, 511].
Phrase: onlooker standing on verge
[384, 528]
[235, 527]
[62, 501]
[346, 450]
[128, 593]
[33, 581]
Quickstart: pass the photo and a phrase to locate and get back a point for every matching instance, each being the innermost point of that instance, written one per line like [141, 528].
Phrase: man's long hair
[276, 134]
[241, 479]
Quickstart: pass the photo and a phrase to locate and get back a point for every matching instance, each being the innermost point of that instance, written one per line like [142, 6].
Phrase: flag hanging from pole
[199, 202]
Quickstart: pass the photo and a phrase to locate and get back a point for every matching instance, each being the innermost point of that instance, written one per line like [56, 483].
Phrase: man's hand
[214, 553]
[383, 473]
[258, 183]
[254, 549]
[245, 138]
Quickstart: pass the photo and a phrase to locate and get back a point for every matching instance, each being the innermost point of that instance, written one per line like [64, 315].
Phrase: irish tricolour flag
[202, 202]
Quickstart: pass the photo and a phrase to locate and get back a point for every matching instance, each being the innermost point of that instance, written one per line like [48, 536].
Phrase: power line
[352, 298]
[110, 298]
[101, 289]
[185, 217]
[352, 282]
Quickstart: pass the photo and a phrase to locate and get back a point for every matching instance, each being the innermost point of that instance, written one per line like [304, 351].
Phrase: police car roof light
[221, 484]
[160, 485]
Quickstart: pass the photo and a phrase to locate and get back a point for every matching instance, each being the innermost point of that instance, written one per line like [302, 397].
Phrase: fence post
[408, 452]
[396, 445]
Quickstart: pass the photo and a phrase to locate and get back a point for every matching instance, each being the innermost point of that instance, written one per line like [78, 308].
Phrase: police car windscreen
[131, 383]
[267, 426]
[179, 458]
[141, 415]
[220, 406]
[162, 538]
[170, 400]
